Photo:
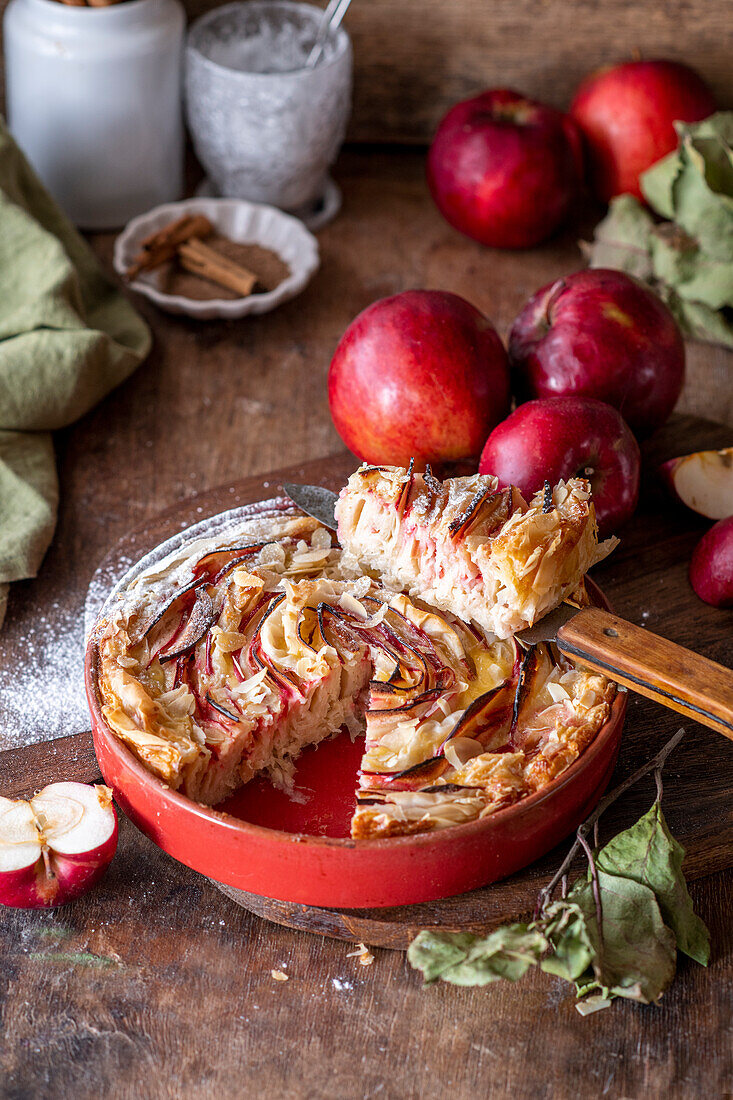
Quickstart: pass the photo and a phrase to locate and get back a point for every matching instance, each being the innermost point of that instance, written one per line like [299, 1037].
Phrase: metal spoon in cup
[330, 21]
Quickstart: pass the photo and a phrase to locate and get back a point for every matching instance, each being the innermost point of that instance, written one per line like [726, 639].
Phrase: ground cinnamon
[199, 259]
[270, 270]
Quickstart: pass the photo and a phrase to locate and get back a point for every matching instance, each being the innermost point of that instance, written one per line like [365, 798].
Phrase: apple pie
[236, 651]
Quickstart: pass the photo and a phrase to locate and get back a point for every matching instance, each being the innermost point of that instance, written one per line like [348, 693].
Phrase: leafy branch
[614, 933]
[655, 765]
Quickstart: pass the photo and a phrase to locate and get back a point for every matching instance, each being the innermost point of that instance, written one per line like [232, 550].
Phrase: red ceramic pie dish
[259, 852]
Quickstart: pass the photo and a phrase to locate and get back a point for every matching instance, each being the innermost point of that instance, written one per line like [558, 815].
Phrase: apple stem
[50, 873]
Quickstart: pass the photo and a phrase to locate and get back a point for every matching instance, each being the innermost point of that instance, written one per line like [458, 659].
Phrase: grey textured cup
[268, 137]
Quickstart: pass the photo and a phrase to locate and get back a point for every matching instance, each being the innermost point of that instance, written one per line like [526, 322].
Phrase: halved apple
[703, 481]
[56, 845]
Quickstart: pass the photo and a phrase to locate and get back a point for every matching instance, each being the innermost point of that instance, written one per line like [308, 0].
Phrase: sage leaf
[463, 959]
[650, 855]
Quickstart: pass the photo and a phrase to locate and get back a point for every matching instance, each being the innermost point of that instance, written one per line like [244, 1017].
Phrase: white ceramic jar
[94, 101]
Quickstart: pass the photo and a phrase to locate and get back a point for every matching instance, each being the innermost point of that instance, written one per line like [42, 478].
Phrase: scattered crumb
[364, 954]
[279, 975]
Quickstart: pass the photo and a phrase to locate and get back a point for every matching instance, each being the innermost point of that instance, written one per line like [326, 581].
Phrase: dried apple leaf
[657, 182]
[707, 145]
[701, 322]
[713, 158]
[623, 239]
[572, 945]
[678, 262]
[464, 959]
[688, 259]
[705, 215]
[636, 958]
[650, 855]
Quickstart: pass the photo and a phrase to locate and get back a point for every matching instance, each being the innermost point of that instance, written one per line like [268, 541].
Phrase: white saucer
[314, 215]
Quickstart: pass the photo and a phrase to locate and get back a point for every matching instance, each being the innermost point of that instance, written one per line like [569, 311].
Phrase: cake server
[629, 655]
[315, 501]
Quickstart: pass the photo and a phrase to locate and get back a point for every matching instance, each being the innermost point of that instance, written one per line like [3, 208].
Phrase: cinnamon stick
[163, 244]
[201, 260]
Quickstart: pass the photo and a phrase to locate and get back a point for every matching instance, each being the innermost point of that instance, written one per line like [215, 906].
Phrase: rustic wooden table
[156, 985]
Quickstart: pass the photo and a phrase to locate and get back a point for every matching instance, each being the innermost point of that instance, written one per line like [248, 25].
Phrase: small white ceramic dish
[248, 222]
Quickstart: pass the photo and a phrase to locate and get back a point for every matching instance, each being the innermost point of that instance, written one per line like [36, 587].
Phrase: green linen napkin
[67, 337]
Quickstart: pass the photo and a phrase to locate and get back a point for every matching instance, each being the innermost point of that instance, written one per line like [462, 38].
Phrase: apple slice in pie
[466, 546]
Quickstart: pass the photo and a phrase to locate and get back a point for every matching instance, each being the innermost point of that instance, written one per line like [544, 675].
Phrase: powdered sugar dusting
[44, 698]
[342, 985]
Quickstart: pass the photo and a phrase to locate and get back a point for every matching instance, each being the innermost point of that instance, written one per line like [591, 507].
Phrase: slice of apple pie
[235, 652]
[466, 546]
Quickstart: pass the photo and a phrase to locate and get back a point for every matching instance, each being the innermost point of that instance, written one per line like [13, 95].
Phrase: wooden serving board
[645, 581]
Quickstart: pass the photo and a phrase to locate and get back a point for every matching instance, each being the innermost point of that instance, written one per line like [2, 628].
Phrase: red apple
[504, 169]
[626, 113]
[600, 333]
[703, 481]
[711, 567]
[56, 845]
[564, 437]
[420, 375]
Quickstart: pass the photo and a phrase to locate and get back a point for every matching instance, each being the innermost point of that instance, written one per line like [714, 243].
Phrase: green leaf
[656, 184]
[701, 322]
[674, 254]
[713, 159]
[636, 956]
[434, 953]
[622, 239]
[463, 959]
[706, 146]
[719, 125]
[678, 261]
[648, 854]
[573, 946]
[704, 214]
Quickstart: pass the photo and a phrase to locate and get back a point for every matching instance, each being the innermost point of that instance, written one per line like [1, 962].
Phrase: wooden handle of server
[652, 666]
